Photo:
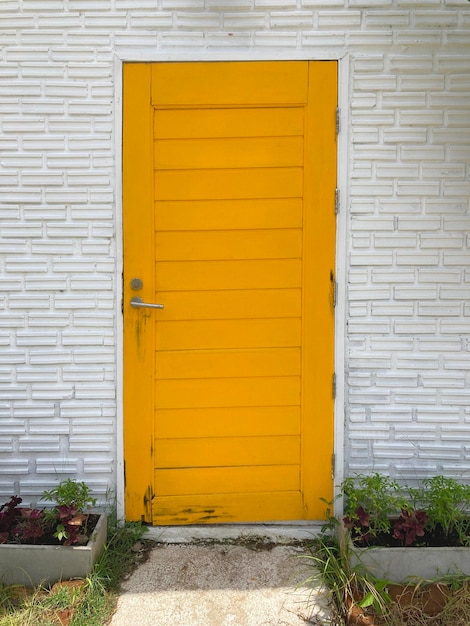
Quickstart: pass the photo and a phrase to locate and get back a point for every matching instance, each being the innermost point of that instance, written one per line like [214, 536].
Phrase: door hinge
[333, 466]
[338, 120]
[337, 200]
[333, 385]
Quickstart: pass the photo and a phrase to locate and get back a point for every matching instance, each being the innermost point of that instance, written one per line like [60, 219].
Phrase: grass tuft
[358, 598]
[88, 602]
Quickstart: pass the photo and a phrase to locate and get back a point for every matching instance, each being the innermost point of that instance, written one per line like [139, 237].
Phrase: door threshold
[273, 532]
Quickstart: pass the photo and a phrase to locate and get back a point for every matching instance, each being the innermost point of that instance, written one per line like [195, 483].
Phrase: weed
[447, 503]
[71, 493]
[90, 602]
[349, 588]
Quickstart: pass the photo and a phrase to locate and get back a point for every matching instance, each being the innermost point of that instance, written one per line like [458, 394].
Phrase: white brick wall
[406, 220]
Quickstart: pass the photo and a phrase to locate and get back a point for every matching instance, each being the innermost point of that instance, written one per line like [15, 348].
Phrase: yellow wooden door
[228, 183]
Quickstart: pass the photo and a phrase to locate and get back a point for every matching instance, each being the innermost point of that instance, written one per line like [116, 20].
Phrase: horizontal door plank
[219, 334]
[223, 83]
[211, 275]
[228, 244]
[227, 392]
[228, 363]
[226, 452]
[183, 154]
[228, 214]
[233, 507]
[229, 304]
[248, 479]
[227, 422]
[222, 122]
[280, 182]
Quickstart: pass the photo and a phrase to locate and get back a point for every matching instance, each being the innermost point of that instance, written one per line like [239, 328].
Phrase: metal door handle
[138, 303]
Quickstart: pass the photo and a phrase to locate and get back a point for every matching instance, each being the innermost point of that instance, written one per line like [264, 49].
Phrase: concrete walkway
[255, 583]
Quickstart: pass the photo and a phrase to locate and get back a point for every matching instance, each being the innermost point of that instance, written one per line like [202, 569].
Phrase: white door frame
[342, 230]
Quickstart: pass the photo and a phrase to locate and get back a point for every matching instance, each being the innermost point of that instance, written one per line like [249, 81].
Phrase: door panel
[228, 189]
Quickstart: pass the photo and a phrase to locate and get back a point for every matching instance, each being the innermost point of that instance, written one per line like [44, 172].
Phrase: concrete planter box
[34, 565]
[403, 564]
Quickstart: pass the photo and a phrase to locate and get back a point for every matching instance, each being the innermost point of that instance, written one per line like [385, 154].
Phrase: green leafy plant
[378, 511]
[72, 499]
[67, 522]
[72, 494]
[447, 503]
[370, 502]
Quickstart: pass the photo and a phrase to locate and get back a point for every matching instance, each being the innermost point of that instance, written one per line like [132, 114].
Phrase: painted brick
[386, 18]
[417, 258]
[284, 39]
[37, 443]
[392, 309]
[199, 21]
[395, 241]
[73, 302]
[97, 466]
[369, 258]
[369, 327]
[363, 100]
[376, 82]
[373, 38]
[159, 21]
[441, 241]
[339, 20]
[14, 466]
[404, 135]
[298, 20]
[416, 38]
[57, 466]
[415, 328]
[416, 433]
[397, 206]
[357, 293]
[48, 357]
[417, 361]
[410, 63]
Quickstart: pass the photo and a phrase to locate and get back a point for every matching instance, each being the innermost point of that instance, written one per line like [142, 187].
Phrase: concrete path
[221, 585]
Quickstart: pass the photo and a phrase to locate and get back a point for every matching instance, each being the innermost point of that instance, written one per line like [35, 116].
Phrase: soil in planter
[48, 539]
[436, 539]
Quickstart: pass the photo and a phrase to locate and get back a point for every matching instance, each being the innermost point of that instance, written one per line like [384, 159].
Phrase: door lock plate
[136, 284]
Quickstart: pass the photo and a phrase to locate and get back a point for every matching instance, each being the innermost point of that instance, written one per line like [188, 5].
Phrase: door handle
[138, 303]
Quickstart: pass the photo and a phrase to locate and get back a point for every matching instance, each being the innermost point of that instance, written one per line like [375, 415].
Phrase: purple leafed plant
[409, 526]
[66, 524]
[20, 525]
[359, 523]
